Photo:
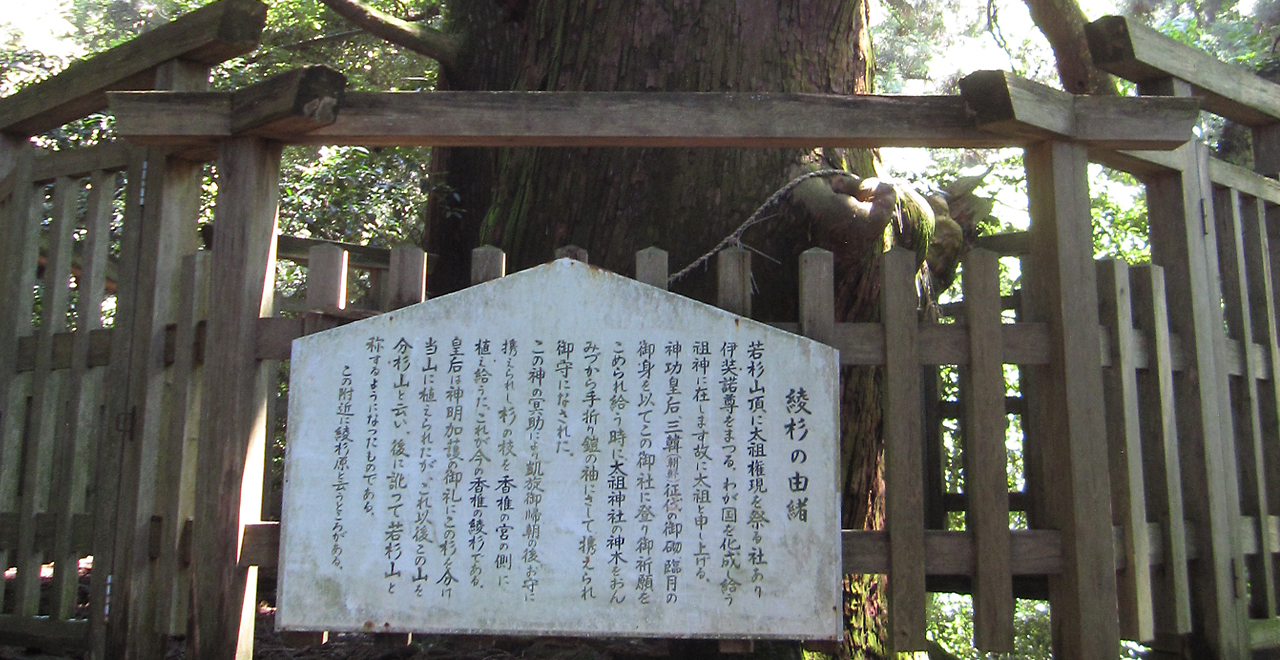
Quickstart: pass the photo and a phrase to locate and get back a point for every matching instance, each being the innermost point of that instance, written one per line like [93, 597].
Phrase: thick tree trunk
[616, 201]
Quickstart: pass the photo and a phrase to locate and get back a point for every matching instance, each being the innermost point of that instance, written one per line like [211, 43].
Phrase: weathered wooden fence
[1148, 397]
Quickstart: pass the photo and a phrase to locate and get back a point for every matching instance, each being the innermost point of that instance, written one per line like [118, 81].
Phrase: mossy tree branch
[1062, 23]
[430, 42]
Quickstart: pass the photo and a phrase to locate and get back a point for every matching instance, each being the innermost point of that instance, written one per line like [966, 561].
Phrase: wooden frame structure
[1149, 395]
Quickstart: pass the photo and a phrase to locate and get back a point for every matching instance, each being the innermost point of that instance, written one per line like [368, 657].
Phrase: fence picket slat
[169, 212]
[986, 481]
[1244, 398]
[652, 267]
[1124, 451]
[1161, 463]
[73, 442]
[326, 277]
[46, 387]
[1068, 395]
[1257, 252]
[177, 463]
[572, 252]
[733, 281]
[1179, 245]
[903, 454]
[487, 263]
[17, 283]
[107, 477]
[408, 277]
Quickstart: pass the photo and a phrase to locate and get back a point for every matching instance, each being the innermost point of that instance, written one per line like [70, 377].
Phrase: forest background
[383, 197]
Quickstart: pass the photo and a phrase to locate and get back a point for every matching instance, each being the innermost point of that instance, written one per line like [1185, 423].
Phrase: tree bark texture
[614, 202]
[1062, 23]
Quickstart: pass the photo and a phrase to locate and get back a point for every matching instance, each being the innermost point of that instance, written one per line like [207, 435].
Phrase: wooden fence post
[817, 296]
[326, 278]
[42, 408]
[1069, 398]
[903, 451]
[77, 439]
[17, 283]
[1245, 408]
[652, 267]
[1266, 149]
[177, 464]
[408, 277]
[1257, 255]
[167, 231]
[985, 457]
[108, 479]
[733, 291]
[233, 413]
[487, 263]
[1183, 242]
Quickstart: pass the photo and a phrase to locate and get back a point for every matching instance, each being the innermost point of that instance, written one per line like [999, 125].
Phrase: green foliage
[305, 32]
[1224, 31]
[1119, 216]
[917, 29]
[354, 194]
[20, 65]
[950, 618]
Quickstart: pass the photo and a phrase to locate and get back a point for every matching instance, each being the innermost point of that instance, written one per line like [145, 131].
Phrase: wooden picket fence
[1147, 395]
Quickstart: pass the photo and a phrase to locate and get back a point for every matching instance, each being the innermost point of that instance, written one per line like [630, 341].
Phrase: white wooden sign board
[562, 451]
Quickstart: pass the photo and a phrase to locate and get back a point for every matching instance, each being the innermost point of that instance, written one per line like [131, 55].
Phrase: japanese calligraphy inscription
[562, 451]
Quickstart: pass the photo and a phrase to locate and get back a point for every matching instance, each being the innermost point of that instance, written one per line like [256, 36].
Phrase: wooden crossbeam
[580, 119]
[1133, 51]
[112, 156]
[554, 119]
[209, 35]
[1147, 164]
[284, 105]
[1012, 106]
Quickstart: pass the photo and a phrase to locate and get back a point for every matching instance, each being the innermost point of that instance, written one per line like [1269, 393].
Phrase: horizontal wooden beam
[99, 350]
[1008, 244]
[863, 343]
[586, 119]
[1147, 164]
[651, 120]
[858, 343]
[46, 526]
[209, 35]
[563, 119]
[111, 156]
[1133, 51]
[1141, 164]
[1264, 634]
[298, 250]
[1006, 104]
[1246, 181]
[44, 633]
[1032, 552]
[1018, 500]
[260, 545]
[1035, 552]
[279, 107]
[290, 103]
